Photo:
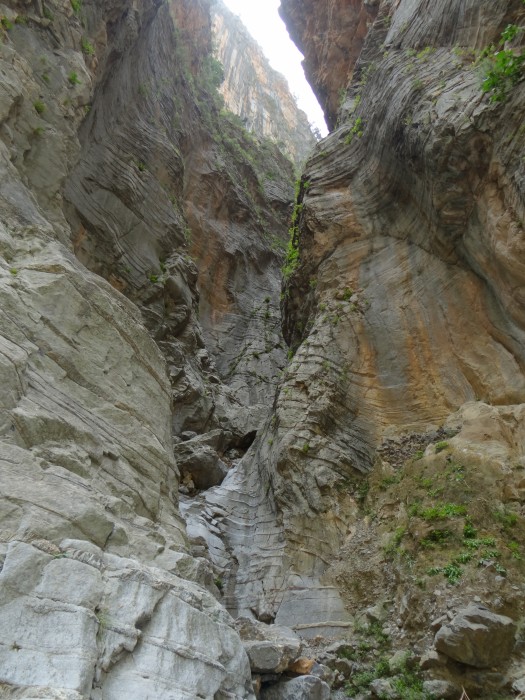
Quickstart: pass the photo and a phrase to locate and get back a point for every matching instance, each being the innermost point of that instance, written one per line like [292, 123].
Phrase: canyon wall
[161, 464]
[257, 93]
[142, 233]
[402, 306]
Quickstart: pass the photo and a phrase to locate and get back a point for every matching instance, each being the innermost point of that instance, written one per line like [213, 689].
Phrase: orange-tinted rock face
[411, 227]
[406, 301]
[331, 37]
[187, 217]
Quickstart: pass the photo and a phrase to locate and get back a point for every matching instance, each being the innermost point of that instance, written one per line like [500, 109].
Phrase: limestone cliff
[372, 491]
[141, 236]
[254, 91]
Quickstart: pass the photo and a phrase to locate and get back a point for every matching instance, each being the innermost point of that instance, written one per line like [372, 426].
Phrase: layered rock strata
[114, 157]
[404, 305]
[257, 93]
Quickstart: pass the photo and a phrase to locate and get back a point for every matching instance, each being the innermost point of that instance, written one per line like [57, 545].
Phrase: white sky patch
[267, 28]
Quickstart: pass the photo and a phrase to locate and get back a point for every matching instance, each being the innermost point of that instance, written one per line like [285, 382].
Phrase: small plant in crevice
[87, 47]
[76, 6]
[73, 78]
[39, 106]
[356, 130]
[440, 446]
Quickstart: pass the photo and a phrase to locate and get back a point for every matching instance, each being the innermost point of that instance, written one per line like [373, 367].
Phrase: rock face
[400, 307]
[331, 40]
[114, 157]
[141, 235]
[257, 93]
[188, 202]
[303, 688]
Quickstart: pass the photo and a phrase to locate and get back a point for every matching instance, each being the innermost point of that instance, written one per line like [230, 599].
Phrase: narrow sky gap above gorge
[266, 26]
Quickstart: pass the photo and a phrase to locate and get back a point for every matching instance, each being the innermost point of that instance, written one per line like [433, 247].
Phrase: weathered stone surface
[257, 93]
[187, 220]
[331, 41]
[99, 595]
[270, 648]
[403, 305]
[302, 688]
[384, 688]
[200, 460]
[477, 637]
[302, 666]
[108, 627]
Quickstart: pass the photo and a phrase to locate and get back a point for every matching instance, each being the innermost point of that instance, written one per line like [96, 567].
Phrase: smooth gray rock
[477, 637]
[109, 627]
[302, 688]
[265, 657]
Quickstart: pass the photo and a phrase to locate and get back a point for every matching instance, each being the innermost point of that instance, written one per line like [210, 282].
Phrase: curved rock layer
[169, 195]
[406, 302]
[259, 95]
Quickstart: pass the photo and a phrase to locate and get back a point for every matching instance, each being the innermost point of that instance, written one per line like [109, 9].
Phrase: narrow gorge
[258, 439]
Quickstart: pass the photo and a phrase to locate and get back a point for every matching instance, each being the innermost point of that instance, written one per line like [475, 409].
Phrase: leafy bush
[503, 67]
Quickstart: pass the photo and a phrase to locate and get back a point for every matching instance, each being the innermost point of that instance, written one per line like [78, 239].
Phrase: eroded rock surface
[402, 307]
[99, 593]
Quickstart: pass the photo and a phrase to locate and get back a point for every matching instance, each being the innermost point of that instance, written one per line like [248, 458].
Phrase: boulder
[477, 637]
[199, 459]
[302, 666]
[301, 688]
[270, 648]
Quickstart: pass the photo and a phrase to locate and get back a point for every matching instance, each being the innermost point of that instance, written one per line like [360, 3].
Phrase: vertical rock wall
[121, 192]
[404, 305]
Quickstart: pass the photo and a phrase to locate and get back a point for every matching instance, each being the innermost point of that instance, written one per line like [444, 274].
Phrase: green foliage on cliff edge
[502, 67]
[291, 261]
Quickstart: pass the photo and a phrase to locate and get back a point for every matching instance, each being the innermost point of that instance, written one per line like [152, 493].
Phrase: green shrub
[73, 78]
[76, 6]
[87, 47]
[39, 106]
[502, 67]
[356, 130]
